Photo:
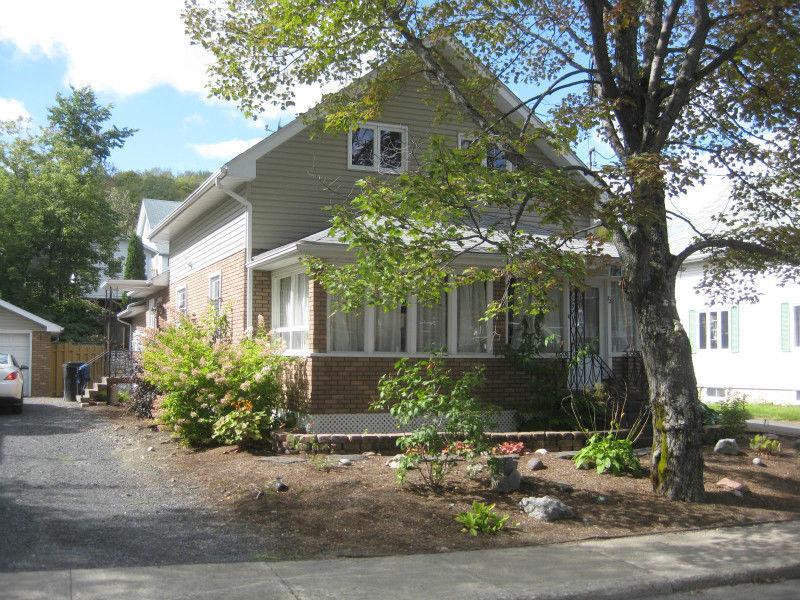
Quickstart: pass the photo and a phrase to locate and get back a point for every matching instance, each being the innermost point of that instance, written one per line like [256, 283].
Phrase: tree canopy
[674, 87]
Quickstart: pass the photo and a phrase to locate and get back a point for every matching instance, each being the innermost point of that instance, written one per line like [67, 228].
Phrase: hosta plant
[609, 454]
[481, 518]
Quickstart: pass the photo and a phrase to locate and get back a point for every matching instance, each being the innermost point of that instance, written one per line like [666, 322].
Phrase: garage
[29, 338]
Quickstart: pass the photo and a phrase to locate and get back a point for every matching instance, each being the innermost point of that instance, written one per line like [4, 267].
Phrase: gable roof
[242, 168]
[50, 327]
[157, 210]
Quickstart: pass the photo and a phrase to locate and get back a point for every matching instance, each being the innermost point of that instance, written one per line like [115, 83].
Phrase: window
[376, 147]
[550, 324]
[150, 315]
[432, 326]
[495, 156]
[290, 312]
[471, 307]
[215, 292]
[346, 330]
[180, 301]
[713, 330]
[390, 330]
[624, 335]
[797, 326]
[716, 392]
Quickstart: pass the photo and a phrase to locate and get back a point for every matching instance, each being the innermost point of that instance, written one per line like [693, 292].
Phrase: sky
[136, 56]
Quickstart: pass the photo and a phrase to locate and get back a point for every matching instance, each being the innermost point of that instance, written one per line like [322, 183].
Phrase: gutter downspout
[248, 244]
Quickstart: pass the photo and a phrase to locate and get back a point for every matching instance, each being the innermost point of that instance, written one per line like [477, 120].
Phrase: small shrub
[764, 445]
[203, 376]
[509, 448]
[732, 415]
[241, 427]
[452, 420]
[481, 518]
[608, 453]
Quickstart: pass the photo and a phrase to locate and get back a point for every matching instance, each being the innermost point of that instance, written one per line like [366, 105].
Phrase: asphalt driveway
[75, 494]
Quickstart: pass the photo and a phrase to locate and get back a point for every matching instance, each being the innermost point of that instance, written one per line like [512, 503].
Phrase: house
[151, 213]
[237, 241]
[751, 348]
[30, 339]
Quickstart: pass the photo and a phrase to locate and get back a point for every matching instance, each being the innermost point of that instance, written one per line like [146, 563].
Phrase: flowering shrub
[204, 376]
[509, 448]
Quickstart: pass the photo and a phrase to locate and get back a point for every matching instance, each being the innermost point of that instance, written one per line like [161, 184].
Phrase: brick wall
[41, 359]
[233, 281]
[262, 298]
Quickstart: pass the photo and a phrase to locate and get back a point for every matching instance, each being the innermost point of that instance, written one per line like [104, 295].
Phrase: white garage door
[19, 344]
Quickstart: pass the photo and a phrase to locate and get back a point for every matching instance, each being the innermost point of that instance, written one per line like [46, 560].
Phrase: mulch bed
[360, 510]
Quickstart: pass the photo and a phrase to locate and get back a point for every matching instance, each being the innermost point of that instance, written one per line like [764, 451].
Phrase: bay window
[378, 147]
[290, 310]
[550, 324]
[390, 330]
[432, 326]
[346, 330]
[624, 336]
[471, 307]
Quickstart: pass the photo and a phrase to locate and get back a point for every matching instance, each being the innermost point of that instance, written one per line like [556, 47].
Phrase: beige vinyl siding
[13, 322]
[297, 180]
[219, 233]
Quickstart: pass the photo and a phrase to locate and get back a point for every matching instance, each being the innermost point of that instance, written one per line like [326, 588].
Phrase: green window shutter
[785, 327]
[693, 330]
[734, 326]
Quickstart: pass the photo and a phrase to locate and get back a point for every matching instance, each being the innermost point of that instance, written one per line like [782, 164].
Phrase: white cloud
[12, 109]
[224, 150]
[194, 120]
[119, 47]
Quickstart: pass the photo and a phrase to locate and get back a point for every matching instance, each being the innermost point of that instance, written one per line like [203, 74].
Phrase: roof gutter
[248, 228]
[190, 200]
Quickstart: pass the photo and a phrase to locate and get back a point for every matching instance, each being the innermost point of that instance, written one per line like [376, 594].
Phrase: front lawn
[770, 412]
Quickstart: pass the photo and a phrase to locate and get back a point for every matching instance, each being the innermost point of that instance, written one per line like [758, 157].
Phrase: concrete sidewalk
[776, 427]
[634, 567]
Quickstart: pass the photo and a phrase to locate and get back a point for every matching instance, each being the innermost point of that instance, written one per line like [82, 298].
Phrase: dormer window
[495, 156]
[378, 147]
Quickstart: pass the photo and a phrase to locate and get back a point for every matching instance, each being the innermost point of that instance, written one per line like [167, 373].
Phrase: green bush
[449, 420]
[608, 453]
[481, 518]
[242, 427]
[732, 415]
[204, 376]
[765, 445]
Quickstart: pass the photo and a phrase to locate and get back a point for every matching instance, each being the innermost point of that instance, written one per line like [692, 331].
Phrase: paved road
[68, 500]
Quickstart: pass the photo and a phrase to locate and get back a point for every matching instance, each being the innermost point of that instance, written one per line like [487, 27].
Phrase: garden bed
[360, 510]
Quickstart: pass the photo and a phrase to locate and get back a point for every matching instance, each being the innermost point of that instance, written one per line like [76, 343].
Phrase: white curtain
[432, 326]
[390, 330]
[347, 330]
[471, 307]
[591, 318]
[285, 299]
[623, 328]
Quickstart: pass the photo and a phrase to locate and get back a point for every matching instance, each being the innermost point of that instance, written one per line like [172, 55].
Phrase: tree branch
[732, 244]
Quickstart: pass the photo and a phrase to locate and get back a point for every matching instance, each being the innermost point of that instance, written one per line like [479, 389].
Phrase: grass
[771, 412]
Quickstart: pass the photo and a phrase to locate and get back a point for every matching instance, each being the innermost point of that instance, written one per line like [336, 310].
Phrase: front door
[585, 337]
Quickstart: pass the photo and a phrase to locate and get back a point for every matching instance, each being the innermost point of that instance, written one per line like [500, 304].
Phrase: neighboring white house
[151, 212]
[752, 348]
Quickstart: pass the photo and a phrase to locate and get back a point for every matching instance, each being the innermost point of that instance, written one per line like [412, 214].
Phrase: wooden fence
[67, 352]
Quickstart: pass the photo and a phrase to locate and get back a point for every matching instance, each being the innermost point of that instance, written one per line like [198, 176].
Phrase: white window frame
[275, 311]
[184, 310]
[376, 151]
[794, 325]
[411, 330]
[708, 312]
[216, 302]
[151, 316]
[467, 138]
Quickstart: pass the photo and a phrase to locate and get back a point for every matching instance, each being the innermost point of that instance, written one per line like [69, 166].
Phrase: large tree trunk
[677, 465]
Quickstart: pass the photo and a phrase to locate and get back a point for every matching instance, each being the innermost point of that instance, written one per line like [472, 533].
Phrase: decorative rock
[732, 486]
[759, 462]
[151, 449]
[280, 486]
[507, 483]
[602, 499]
[536, 464]
[727, 446]
[345, 462]
[541, 451]
[565, 487]
[546, 508]
[508, 463]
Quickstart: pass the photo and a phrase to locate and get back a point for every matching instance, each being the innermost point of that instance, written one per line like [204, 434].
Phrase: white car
[12, 382]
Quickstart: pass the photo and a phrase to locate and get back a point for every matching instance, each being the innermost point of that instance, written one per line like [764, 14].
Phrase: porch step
[92, 395]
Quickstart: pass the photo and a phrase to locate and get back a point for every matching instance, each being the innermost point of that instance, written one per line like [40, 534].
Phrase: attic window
[378, 147]
[495, 156]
